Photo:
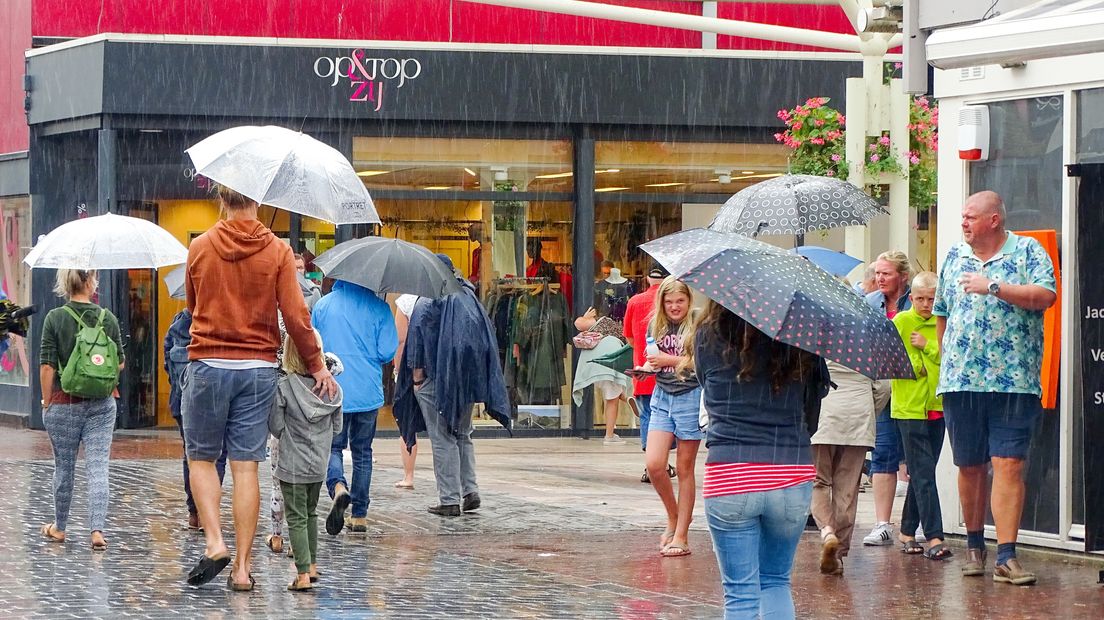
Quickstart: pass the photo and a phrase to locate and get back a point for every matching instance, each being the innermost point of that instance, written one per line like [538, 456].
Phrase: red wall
[812, 17]
[15, 21]
[412, 20]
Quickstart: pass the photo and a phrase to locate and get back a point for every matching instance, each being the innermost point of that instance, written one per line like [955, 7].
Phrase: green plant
[815, 133]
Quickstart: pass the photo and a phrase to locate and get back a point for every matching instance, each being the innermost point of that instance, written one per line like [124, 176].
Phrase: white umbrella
[107, 241]
[286, 169]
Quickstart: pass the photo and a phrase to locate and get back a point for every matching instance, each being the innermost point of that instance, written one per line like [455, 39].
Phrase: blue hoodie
[357, 326]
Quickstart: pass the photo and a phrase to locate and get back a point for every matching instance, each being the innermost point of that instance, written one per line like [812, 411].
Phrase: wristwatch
[994, 288]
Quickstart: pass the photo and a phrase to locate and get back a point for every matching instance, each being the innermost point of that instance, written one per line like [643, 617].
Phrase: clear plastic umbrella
[107, 241]
[286, 169]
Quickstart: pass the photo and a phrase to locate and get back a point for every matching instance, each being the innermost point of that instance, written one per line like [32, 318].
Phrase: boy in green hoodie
[918, 413]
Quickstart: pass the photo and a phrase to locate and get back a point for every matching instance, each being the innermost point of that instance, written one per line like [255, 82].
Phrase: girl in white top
[405, 305]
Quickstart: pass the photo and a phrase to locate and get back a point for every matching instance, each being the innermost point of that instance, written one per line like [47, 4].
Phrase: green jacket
[914, 398]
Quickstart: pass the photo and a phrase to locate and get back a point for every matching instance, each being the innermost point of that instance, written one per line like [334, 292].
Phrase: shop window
[15, 219]
[1025, 168]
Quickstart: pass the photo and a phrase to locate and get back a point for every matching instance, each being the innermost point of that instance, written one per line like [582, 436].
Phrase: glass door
[136, 310]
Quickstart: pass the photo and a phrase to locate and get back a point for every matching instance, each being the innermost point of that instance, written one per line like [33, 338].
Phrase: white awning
[1046, 29]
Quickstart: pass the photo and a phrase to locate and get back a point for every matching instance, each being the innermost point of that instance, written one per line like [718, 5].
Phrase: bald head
[989, 202]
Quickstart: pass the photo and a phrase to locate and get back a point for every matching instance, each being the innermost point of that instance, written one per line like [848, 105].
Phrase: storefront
[1046, 158]
[540, 164]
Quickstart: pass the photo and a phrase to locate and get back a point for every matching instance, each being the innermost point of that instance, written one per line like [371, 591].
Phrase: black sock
[1005, 552]
[975, 540]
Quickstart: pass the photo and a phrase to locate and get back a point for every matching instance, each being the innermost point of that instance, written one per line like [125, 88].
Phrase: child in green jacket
[918, 413]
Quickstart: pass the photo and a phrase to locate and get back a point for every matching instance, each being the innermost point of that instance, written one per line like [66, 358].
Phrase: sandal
[403, 485]
[295, 587]
[665, 539]
[644, 476]
[675, 550]
[911, 547]
[207, 569]
[49, 530]
[671, 473]
[275, 543]
[240, 587]
[99, 545]
[938, 552]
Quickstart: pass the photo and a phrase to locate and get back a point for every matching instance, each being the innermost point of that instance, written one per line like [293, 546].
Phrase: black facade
[110, 120]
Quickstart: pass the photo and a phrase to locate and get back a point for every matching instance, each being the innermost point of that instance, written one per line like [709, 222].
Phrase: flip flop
[48, 532]
[207, 569]
[911, 547]
[99, 546]
[665, 539]
[275, 547]
[675, 550]
[295, 587]
[401, 485]
[938, 553]
[335, 521]
[240, 587]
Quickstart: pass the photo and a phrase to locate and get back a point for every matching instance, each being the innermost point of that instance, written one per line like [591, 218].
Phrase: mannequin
[611, 295]
[615, 277]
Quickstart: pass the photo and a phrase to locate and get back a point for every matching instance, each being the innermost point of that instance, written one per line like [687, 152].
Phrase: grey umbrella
[388, 266]
[794, 204]
[787, 298]
[174, 281]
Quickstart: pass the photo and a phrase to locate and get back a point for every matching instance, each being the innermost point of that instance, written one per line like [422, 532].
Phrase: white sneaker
[920, 535]
[902, 489]
[612, 440]
[880, 536]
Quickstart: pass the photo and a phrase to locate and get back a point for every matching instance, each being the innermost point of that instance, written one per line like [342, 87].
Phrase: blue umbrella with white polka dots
[794, 204]
[787, 298]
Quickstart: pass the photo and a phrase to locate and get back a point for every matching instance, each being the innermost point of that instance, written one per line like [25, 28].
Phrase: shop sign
[366, 78]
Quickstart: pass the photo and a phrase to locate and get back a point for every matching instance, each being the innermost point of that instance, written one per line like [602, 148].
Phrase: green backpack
[93, 368]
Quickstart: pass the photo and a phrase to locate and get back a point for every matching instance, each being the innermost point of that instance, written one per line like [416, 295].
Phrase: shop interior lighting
[664, 184]
[770, 175]
[501, 173]
[371, 173]
[437, 187]
[747, 172]
[471, 172]
[607, 171]
[611, 189]
[151, 131]
[557, 175]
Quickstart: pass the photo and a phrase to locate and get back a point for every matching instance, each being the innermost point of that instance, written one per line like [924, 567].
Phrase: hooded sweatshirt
[238, 275]
[305, 425]
[358, 327]
[914, 398]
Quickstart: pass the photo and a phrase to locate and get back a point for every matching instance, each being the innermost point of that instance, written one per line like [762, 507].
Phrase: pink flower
[897, 65]
[817, 141]
[830, 173]
[836, 157]
[914, 160]
[874, 158]
[778, 137]
[818, 123]
[841, 118]
[884, 140]
[873, 147]
[797, 125]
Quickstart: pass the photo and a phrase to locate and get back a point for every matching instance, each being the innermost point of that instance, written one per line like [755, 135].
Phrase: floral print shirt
[991, 345]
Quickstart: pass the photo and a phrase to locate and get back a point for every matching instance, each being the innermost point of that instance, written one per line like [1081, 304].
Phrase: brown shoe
[975, 563]
[193, 521]
[828, 560]
[1011, 572]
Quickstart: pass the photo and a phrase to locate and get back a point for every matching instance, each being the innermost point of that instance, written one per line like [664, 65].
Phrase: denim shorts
[676, 414]
[888, 451]
[986, 424]
[226, 408]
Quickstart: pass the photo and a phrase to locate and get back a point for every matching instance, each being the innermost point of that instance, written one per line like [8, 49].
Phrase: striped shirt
[733, 478]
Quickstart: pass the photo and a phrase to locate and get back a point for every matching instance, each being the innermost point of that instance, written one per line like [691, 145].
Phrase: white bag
[703, 415]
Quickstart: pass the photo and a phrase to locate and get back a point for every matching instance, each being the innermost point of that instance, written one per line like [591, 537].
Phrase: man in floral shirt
[993, 290]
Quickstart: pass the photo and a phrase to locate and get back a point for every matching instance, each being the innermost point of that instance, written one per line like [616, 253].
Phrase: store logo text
[367, 76]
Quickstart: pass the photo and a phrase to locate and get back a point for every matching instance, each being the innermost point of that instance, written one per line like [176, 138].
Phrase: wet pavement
[566, 531]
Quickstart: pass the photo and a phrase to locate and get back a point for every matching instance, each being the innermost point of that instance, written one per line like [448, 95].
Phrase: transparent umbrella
[107, 241]
[286, 169]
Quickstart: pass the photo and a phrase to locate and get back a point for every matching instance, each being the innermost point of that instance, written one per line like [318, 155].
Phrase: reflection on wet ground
[566, 531]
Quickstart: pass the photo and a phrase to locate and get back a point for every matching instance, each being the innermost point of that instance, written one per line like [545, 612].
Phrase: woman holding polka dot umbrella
[786, 297]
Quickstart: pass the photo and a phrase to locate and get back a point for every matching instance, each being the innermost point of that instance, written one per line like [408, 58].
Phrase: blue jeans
[755, 536]
[644, 404]
[357, 433]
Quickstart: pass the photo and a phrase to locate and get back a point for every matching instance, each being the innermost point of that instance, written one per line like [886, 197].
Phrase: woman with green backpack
[81, 356]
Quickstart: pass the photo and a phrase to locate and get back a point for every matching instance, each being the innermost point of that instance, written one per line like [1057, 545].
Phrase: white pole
[856, 238]
[900, 215]
[752, 30]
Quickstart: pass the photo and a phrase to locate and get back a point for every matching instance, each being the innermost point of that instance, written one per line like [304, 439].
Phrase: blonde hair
[925, 280]
[230, 198]
[71, 282]
[293, 361]
[658, 326]
[899, 260]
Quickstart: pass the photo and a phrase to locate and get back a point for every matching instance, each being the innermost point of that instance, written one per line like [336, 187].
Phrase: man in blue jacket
[357, 326]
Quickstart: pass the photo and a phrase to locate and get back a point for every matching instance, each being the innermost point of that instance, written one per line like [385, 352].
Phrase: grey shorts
[226, 407]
